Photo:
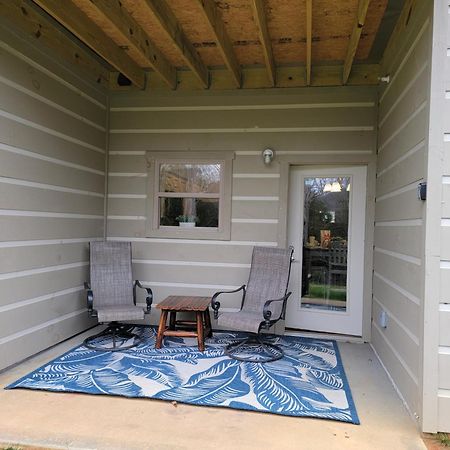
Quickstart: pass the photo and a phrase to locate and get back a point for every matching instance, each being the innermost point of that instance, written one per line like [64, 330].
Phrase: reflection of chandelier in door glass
[335, 186]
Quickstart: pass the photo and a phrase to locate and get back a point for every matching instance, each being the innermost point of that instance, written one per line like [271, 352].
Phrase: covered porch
[111, 111]
[64, 420]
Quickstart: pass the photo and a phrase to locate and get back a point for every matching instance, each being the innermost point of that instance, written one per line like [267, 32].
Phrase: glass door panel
[325, 238]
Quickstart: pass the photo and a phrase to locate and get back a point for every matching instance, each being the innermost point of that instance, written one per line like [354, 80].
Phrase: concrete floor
[79, 421]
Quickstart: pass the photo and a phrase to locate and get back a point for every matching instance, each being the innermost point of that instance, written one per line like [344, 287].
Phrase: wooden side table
[180, 303]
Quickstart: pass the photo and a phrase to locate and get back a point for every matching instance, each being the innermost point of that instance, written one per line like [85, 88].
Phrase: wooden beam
[27, 17]
[286, 77]
[363, 5]
[264, 37]
[308, 40]
[215, 21]
[170, 24]
[66, 13]
[137, 37]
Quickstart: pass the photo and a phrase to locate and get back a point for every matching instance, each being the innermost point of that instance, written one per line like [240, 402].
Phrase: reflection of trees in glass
[325, 210]
[190, 178]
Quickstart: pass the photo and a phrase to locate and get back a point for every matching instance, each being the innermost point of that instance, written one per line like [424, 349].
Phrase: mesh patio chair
[111, 296]
[263, 304]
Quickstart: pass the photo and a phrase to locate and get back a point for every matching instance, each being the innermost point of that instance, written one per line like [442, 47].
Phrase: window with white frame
[189, 195]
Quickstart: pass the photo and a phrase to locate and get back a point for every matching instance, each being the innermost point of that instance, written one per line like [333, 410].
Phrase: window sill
[198, 233]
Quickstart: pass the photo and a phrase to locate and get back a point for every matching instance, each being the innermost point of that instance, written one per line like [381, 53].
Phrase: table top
[184, 303]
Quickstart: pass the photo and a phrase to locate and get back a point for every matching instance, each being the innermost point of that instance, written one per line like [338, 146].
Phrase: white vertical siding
[52, 177]
[441, 89]
[398, 280]
[318, 126]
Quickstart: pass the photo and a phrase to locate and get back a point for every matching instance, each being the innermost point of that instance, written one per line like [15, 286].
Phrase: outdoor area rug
[309, 381]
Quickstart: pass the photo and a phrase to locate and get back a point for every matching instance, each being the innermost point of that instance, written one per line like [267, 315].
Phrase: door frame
[343, 322]
[329, 159]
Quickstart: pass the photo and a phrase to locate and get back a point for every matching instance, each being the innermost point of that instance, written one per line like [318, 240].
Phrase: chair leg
[254, 349]
[115, 332]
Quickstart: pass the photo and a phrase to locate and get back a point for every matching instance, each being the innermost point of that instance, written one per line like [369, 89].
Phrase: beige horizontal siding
[17, 71]
[403, 273]
[255, 186]
[324, 126]
[30, 314]
[394, 363]
[398, 301]
[34, 199]
[286, 141]
[30, 228]
[23, 137]
[26, 257]
[191, 250]
[54, 279]
[30, 109]
[398, 281]
[25, 168]
[396, 331]
[52, 183]
[127, 185]
[405, 239]
[217, 120]
[31, 341]
[408, 168]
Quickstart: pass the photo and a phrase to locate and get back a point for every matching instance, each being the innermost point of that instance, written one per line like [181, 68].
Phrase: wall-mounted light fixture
[268, 154]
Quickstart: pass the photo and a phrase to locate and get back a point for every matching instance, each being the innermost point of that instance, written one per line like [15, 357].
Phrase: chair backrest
[111, 280]
[269, 278]
[338, 254]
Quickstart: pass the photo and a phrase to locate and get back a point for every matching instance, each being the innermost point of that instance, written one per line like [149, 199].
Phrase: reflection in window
[325, 242]
[189, 178]
[189, 195]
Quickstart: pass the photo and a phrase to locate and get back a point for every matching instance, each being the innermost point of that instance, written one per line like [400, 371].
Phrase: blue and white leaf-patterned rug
[309, 381]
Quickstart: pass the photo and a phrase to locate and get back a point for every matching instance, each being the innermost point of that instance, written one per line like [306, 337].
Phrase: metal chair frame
[271, 351]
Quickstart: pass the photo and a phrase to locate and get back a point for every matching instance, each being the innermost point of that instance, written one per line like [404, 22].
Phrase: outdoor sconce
[268, 155]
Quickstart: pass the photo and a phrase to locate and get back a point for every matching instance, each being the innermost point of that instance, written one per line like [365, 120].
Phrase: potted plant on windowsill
[186, 221]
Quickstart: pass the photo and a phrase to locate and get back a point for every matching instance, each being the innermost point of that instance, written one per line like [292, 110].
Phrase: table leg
[161, 329]
[208, 323]
[172, 320]
[200, 335]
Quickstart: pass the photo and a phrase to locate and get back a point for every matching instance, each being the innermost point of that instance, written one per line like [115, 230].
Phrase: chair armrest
[215, 305]
[267, 313]
[89, 298]
[148, 299]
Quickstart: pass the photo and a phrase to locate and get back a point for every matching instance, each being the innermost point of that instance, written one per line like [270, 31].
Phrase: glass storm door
[326, 227]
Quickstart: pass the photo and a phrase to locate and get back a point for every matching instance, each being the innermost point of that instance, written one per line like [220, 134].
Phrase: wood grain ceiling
[225, 43]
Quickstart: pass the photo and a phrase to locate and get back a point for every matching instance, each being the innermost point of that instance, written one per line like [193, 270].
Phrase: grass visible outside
[328, 292]
[436, 441]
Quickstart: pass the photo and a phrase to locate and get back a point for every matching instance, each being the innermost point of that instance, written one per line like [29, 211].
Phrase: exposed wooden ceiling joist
[26, 16]
[286, 77]
[308, 40]
[214, 19]
[137, 37]
[169, 23]
[363, 6]
[261, 21]
[75, 21]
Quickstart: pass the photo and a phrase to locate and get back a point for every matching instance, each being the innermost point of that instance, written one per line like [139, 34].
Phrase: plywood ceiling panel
[332, 24]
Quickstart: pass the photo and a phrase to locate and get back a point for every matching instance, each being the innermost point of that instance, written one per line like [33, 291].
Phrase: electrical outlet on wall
[383, 319]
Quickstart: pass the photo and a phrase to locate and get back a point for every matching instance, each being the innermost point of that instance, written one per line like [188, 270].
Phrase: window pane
[200, 212]
[325, 239]
[189, 178]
